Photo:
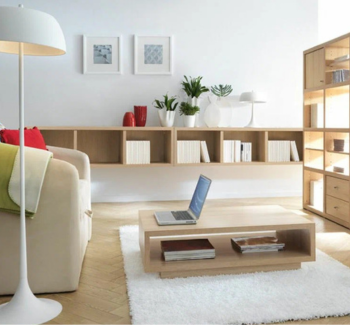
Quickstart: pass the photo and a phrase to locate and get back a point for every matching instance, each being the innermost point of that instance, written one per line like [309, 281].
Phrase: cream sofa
[58, 235]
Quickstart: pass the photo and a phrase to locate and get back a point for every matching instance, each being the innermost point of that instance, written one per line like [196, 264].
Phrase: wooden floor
[102, 297]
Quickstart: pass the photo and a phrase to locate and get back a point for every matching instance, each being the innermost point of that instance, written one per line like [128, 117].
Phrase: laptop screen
[200, 195]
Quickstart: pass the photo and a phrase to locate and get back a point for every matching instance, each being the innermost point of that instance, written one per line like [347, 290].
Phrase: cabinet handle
[321, 80]
[336, 207]
[336, 187]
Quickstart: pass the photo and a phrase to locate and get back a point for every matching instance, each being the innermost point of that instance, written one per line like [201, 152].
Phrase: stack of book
[192, 152]
[282, 151]
[191, 249]
[232, 151]
[138, 152]
[257, 244]
[316, 194]
[340, 75]
[316, 114]
[340, 59]
[246, 151]
[188, 152]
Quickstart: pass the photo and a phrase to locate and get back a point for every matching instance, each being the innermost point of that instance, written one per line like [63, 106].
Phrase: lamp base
[29, 311]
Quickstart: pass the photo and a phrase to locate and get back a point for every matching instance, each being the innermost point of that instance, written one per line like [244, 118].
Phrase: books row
[192, 152]
[237, 151]
[194, 249]
[340, 75]
[138, 152]
[282, 151]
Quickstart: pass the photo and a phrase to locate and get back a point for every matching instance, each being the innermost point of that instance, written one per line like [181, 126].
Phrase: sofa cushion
[32, 138]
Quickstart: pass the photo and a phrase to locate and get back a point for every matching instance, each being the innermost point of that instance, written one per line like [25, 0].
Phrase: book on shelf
[316, 194]
[204, 152]
[316, 115]
[188, 152]
[294, 151]
[190, 249]
[246, 151]
[138, 152]
[232, 151]
[257, 244]
[342, 58]
[282, 151]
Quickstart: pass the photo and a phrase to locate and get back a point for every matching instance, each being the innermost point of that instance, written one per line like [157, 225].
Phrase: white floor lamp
[28, 32]
[252, 97]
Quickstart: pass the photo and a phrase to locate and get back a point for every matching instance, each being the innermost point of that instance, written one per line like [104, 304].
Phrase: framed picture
[102, 55]
[153, 54]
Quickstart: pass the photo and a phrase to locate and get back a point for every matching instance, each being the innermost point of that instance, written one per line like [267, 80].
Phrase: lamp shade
[39, 32]
[253, 97]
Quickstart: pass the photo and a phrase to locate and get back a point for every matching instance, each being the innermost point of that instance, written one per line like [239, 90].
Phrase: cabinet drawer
[338, 188]
[337, 208]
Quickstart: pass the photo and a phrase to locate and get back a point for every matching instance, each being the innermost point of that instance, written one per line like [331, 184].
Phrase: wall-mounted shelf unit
[327, 130]
[106, 146]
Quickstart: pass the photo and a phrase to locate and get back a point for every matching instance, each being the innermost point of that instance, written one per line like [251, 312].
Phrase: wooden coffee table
[219, 226]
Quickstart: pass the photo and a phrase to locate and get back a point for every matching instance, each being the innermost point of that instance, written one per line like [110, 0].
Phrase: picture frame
[153, 55]
[102, 55]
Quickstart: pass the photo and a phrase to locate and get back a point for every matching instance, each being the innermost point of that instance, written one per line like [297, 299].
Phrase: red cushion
[32, 138]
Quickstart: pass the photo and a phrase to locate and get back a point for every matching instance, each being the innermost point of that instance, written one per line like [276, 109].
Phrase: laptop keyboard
[181, 215]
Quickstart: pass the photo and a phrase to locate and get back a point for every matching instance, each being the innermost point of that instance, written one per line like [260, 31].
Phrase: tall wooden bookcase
[326, 94]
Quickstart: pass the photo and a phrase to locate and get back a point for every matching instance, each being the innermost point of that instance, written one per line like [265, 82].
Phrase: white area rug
[319, 289]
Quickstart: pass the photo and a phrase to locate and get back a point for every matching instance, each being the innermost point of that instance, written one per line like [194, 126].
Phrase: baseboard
[172, 197]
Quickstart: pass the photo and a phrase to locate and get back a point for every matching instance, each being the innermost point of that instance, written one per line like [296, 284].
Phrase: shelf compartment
[313, 140]
[211, 137]
[336, 159]
[312, 99]
[104, 147]
[161, 143]
[337, 107]
[329, 142]
[59, 138]
[313, 159]
[290, 136]
[313, 198]
[336, 55]
[257, 138]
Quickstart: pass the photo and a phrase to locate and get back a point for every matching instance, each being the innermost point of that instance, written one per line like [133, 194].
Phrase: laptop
[165, 218]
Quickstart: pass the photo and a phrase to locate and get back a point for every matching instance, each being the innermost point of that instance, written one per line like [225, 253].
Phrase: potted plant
[189, 112]
[212, 115]
[193, 88]
[166, 110]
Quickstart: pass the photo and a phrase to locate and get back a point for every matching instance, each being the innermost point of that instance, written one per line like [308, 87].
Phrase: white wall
[250, 44]
[333, 19]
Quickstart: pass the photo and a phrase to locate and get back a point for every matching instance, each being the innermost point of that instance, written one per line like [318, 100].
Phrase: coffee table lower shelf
[296, 232]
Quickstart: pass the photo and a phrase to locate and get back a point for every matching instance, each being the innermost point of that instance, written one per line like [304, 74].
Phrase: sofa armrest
[77, 158]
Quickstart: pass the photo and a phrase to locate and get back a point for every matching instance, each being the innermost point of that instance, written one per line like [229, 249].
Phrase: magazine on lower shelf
[257, 244]
[190, 249]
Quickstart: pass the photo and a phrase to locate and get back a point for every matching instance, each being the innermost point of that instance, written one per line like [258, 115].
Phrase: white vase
[212, 115]
[225, 112]
[189, 121]
[166, 118]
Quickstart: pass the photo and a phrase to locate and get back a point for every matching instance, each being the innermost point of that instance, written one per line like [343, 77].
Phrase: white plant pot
[195, 102]
[189, 121]
[166, 118]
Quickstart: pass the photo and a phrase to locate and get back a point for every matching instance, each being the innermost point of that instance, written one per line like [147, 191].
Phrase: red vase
[140, 115]
[129, 119]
